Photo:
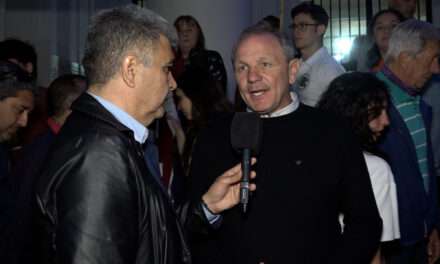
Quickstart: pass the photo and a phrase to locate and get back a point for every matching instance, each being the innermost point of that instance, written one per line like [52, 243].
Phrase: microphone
[246, 135]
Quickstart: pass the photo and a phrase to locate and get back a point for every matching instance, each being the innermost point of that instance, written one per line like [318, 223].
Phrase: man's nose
[23, 119]
[253, 75]
[171, 82]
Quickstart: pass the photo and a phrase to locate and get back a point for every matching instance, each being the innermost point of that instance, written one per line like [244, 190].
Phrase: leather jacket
[98, 200]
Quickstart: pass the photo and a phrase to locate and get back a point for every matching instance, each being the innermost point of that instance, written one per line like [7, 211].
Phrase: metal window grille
[349, 19]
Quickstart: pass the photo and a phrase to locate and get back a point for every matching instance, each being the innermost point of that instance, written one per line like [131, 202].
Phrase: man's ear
[321, 29]
[294, 65]
[129, 69]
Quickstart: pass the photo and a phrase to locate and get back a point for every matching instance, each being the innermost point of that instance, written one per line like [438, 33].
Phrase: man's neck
[400, 73]
[309, 51]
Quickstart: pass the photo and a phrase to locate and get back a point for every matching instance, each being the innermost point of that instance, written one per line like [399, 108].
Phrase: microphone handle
[244, 183]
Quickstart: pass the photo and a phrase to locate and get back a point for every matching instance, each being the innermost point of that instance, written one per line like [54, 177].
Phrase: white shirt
[384, 188]
[314, 76]
[290, 108]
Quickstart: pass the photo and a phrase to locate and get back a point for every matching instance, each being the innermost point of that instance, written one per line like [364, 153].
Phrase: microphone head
[246, 131]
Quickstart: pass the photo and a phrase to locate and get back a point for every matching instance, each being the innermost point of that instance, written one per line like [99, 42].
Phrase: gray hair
[254, 30]
[410, 36]
[115, 32]
[14, 79]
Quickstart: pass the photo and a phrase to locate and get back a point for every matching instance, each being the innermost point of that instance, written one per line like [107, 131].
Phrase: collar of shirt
[139, 130]
[53, 125]
[285, 110]
[315, 58]
[390, 75]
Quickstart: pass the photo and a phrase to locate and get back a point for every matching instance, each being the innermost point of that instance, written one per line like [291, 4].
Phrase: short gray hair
[254, 30]
[115, 32]
[410, 36]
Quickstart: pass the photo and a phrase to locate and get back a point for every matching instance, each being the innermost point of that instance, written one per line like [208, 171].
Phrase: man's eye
[240, 68]
[266, 64]
[167, 69]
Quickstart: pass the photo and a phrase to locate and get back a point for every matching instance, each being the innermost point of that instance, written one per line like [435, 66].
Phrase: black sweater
[309, 170]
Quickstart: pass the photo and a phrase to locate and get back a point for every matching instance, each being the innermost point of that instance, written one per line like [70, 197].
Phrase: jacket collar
[88, 105]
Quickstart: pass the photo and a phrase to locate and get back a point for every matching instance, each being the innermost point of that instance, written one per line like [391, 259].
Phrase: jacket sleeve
[95, 215]
[362, 223]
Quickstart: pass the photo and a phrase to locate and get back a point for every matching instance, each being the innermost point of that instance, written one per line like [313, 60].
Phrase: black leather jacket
[99, 202]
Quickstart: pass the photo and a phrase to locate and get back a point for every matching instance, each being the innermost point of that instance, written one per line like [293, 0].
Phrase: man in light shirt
[318, 68]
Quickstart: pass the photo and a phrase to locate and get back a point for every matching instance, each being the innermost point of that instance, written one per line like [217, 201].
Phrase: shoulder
[214, 56]
[377, 166]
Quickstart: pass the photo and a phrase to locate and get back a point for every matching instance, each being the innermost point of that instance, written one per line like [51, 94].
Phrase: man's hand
[433, 247]
[224, 193]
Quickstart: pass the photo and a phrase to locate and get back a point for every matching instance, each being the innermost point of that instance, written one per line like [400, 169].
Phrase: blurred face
[378, 124]
[154, 82]
[406, 7]
[184, 104]
[14, 113]
[263, 73]
[306, 32]
[382, 30]
[423, 65]
[188, 34]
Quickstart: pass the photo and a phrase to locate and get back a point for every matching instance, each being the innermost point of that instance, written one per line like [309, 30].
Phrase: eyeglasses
[301, 27]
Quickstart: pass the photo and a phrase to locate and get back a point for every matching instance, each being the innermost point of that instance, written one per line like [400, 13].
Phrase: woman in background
[200, 98]
[380, 30]
[363, 99]
[192, 51]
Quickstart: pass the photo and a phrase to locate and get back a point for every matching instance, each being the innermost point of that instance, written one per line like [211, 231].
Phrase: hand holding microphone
[246, 135]
[233, 185]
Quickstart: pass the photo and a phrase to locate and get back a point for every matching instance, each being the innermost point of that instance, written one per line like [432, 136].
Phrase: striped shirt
[408, 105]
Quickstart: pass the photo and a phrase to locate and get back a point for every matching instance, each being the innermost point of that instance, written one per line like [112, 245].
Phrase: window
[349, 19]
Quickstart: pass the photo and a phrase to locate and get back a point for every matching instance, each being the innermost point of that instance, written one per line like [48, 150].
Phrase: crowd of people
[133, 162]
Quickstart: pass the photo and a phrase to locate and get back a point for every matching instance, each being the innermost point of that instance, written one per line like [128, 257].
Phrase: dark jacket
[309, 170]
[418, 211]
[99, 202]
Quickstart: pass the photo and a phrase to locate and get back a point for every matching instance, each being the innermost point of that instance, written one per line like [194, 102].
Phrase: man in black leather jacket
[98, 200]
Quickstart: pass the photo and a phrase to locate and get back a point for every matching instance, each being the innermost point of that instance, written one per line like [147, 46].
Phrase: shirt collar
[290, 108]
[139, 130]
[390, 75]
[316, 57]
[53, 125]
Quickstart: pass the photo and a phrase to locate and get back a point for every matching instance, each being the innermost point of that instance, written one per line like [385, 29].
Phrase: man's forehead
[263, 44]
[25, 98]
[303, 17]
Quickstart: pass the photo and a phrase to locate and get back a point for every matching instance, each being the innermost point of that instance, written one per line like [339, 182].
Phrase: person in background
[192, 51]
[270, 21]
[358, 58]
[380, 29]
[363, 100]
[16, 101]
[431, 95]
[61, 94]
[201, 99]
[410, 61]
[406, 7]
[24, 54]
[318, 68]
[21, 53]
